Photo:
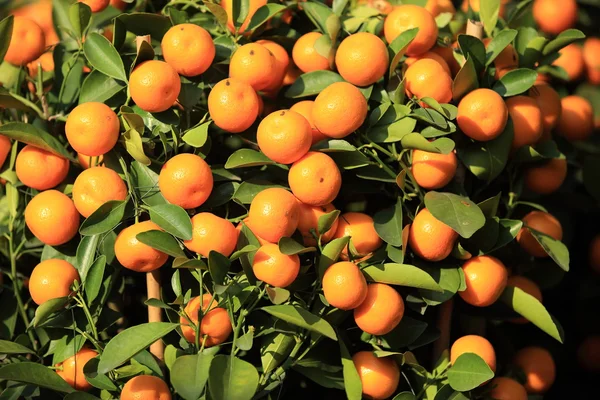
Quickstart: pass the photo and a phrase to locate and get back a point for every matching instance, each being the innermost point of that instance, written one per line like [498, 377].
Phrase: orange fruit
[291, 74]
[432, 170]
[254, 64]
[427, 78]
[539, 368]
[485, 278]
[549, 103]
[339, 110]
[379, 376]
[433, 7]
[188, 48]
[306, 57]
[253, 5]
[361, 229]
[474, 344]
[588, 354]
[305, 108]
[39, 169]
[576, 121]
[571, 60]
[86, 161]
[135, 255]
[447, 53]
[344, 285]
[309, 219]
[284, 136]
[41, 13]
[315, 179]
[215, 324]
[553, 16]
[52, 279]
[594, 254]
[233, 105]
[546, 178]
[94, 187]
[52, 217]
[275, 268]
[5, 147]
[527, 120]
[46, 61]
[27, 42]
[282, 62]
[446, 6]
[542, 222]
[432, 55]
[482, 115]
[407, 17]
[273, 214]
[507, 389]
[92, 128]
[145, 387]
[362, 59]
[186, 180]
[209, 233]
[118, 4]
[96, 5]
[381, 311]
[72, 369]
[238, 228]
[529, 287]
[591, 49]
[430, 238]
[154, 86]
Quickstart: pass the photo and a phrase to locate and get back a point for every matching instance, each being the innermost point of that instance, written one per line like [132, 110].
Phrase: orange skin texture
[381, 311]
[315, 179]
[306, 57]
[344, 285]
[52, 217]
[238, 228]
[407, 17]
[5, 147]
[96, 5]
[529, 287]
[571, 60]
[591, 58]
[254, 64]
[186, 180]
[549, 103]
[588, 354]
[361, 229]
[482, 115]
[275, 268]
[52, 279]
[594, 254]
[94, 187]
[305, 108]
[486, 278]
[339, 110]
[527, 120]
[209, 233]
[541, 222]
[188, 48]
[507, 389]
[448, 55]
[576, 121]
[474, 344]
[427, 78]
[539, 368]
[41, 13]
[273, 214]
[215, 322]
[432, 55]
[547, 177]
[253, 5]
[284, 136]
[27, 42]
[379, 376]
[291, 74]
[135, 255]
[233, 105]
[39, 169]
[92, 128]
[432, 170]
[309, 219]
[430, 238]
[72, 371]
[145, 387]
[46, 60]
[154, 86]
[282, 62]
[84, 160]
[445, 6]
[362, 59]
[553, 16]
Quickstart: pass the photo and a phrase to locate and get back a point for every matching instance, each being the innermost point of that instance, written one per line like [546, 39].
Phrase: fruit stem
[81, 303]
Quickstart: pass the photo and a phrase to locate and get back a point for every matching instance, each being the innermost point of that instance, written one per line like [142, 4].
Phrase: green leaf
[541, 151]
[80, 15]
[35, 374]
[405, 396]
[402, 275]
[239, 10]
[263, 14]
[388, 224]
[312, 83]
[459, 213]
[97, 380]
[533, 52]
[220, 195]
[525, 35]
[290, 247]
[417, 141]
[99, 87]
[140, 24]
[398, 47]
[66, 347]
[104, 219]
[497, 44]
[231, 378]
[6, 27]
[352, 383]
[216, 10]
[515, 82]
[507, 232]
[173, 219]
[28, 133]
[489, 11]
[81, 396]
[48, 308]
[468, 372]
[7, 347]
[555, 248]
[274, 350]
[103, 56]
[86, 253]
[145, 182]
[393, 132]
[218, 266]
[331, 252]
[302, 318]
[94, 279]
[247, 190]
[247, 158]
[161, 241]
[465, 81]
[489, 207]
[189, 374]
[326, 221]
[564, 39]
[318, 13]
[245, 341]
[197, 136]
[135, 146]
[474, 49]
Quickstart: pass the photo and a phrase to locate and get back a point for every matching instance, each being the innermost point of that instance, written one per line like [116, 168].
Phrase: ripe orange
[273, 214]
[430, 238]
[381, 311]
[445, 6]
[145, 387]
[41, 13]
[379, 376]
[553, 16]
[361, 229]
[427, 78]
[186, 180]
[407, 17]
[576, 121]
[594, 254]
[529, 287]
[474, 344]
[46, 61]
[482, 115]
[486, 278]
[344, 285]
[306, 57]
[282, 62]
[39, 169]
[85, 161]
[547, 177]
[94, 187]
[96, 5]
[154, 86]
[539, 368]
[52, 217]
[571, 60]
[284, 136]
[238, 228]
[26, 43]
[135, 255]
[253, 5]
[591, 50]
[215, 323]
[432, 170]
[309, 219]
[291, 74]
[92, 128]
[72, 369]
[507, 389]
[362, 59]
[188, 48]
[305, 108]
[447, 53]
[5, 147]
[339, 110]
[254, 64]
[209, 233]
[588, 354]
[527, 120]
[315, 179]
[275, 268]
[432, 55]
[549, 103]
[541, 222]
[233, 105]
[52, 279]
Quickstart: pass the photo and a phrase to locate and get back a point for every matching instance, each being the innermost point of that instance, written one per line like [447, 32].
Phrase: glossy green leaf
[352, 383]
[459, 213]
[247, 190]
[274, 349]
[312, 83]
[80, 15]
[35, 374]
[104, 219]
[161, 241]
[515, 82]
[247, 158]
[326, 221]
[218, 266]
[402, 275]
[103, 56]
[86, 254]
[98, 87]
[48, 308]
[473, 49]
[29, 134]
[489, 11]
[562, 40]
[231, 378]
[318, 13]
[398, 47]
[7, 347]
[189, 374]
[290, 247]
[140, 24]
[417, 141]
[468, 372]
[465, 81]
[145, 182]
[173, 219]
[555, 248]
[6, 27]
[94, 279]
[331, 253]
[499, 43]
[388, 224]
[302, 318]
[263, 14]
[197, 136]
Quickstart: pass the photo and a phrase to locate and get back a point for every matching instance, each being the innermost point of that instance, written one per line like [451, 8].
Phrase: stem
[384, 165]
[81, 303]
[91, 339]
